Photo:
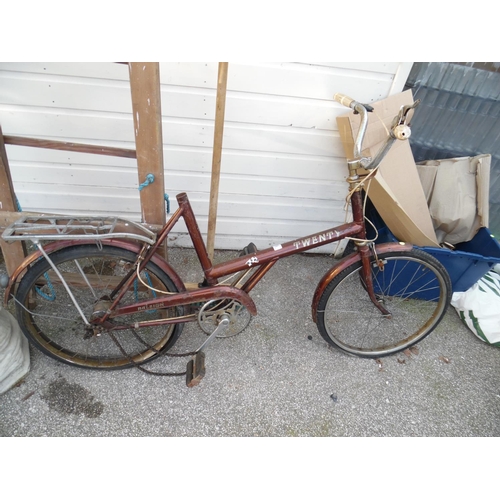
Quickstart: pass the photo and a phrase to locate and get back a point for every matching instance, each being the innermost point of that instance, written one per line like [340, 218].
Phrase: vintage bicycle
[94, 297]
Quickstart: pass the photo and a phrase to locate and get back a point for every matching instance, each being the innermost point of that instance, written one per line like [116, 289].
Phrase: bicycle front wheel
[413, 286]
[51, 322]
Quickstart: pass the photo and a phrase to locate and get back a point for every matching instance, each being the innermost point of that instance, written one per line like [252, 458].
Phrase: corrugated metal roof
[458, 116]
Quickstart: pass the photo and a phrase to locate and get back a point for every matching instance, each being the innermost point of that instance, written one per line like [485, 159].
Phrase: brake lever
[400, 128]
[402, 117]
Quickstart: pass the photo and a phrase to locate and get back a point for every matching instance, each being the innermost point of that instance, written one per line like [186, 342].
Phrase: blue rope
[136, 290]
[167, 201]
[52, 295]
[136, 286]
[150, 178]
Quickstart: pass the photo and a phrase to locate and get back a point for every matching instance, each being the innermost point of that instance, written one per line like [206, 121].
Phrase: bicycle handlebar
[399, 129]
[356, 106]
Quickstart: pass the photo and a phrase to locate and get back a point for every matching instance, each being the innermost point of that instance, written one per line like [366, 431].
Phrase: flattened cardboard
[395, 190]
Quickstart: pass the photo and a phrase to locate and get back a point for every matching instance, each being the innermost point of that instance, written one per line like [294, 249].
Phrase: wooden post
[13, 253]
[217, 155]
[146, 105]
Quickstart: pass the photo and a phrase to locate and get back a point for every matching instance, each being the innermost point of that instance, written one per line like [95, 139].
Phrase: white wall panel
[283, 166]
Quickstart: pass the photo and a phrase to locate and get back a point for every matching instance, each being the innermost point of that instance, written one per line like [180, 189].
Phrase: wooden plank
[69, 146]
[217, 155]
[146, 104]
[13, 254]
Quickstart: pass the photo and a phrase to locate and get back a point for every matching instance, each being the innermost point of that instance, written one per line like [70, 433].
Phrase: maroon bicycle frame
[263, 259]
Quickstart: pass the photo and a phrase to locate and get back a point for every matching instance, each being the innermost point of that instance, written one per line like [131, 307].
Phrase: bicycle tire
[51, 322]
[413, 286]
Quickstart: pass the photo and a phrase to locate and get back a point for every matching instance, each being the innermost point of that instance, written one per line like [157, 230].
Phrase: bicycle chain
[150, 372]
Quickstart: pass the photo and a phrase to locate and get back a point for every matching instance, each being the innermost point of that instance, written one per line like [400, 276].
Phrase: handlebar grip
[344, 100]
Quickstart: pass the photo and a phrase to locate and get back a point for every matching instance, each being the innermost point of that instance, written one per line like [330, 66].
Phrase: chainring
[211, 312]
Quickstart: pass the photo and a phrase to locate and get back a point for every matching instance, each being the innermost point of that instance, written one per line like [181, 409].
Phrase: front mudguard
[348, 261]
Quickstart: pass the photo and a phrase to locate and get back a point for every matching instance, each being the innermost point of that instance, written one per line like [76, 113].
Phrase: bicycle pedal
[195, 369]
[250, 248]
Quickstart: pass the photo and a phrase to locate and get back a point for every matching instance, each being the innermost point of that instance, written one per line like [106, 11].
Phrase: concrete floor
[277, 378]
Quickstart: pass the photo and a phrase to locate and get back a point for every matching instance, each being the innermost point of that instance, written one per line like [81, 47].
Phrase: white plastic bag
[479, 308]
[14, 352]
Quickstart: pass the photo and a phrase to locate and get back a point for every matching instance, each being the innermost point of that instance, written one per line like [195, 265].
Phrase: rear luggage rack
[66, 227]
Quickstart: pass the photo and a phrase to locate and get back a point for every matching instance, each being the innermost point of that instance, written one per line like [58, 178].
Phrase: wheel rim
[414, 292]
[55, 326]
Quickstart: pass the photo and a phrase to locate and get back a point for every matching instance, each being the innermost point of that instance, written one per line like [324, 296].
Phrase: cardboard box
[395, 190]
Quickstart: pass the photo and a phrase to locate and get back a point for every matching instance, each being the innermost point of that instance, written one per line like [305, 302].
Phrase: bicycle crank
[212, 312]
[195, 369]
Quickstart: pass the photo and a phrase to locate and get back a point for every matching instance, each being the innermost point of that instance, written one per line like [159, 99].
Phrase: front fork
[363, 246]
[366, 275]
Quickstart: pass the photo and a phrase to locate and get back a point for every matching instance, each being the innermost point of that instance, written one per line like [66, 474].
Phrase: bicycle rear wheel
[51, 322]
[413, 286]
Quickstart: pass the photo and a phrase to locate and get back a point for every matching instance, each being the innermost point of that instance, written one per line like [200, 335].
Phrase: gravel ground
[277, 378]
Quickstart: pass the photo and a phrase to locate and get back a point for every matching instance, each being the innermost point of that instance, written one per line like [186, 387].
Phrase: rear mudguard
[183, 298]
[348, 261]
[58, 245]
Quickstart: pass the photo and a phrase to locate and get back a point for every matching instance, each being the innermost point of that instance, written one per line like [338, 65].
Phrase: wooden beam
[14, 253]
[69, 146]
[217, 156]
[146, 105]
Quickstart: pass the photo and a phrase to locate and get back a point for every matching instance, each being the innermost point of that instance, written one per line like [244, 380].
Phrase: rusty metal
[364, 251]
[196, 238]
[365, 254]
[185, 298]
[165, 230]
[357, 212]
[110, 326]
[300, 245]
[257, 276]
